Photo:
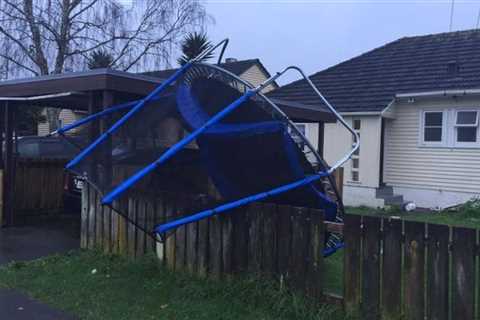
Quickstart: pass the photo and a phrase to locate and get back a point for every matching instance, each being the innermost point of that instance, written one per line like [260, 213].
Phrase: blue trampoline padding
[219, 142]
[331, 250]
[115, 193]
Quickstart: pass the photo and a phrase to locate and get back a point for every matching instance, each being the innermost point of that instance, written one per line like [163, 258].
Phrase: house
[415, 103]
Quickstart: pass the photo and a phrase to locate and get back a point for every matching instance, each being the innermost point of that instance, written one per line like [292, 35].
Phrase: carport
[89, 91]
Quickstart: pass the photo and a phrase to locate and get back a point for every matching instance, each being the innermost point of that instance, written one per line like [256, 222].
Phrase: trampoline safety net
[250, 150]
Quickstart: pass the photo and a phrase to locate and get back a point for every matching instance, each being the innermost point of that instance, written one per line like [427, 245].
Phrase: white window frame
[356, 156]
[449, 129]
[455, 126]
[443, 141]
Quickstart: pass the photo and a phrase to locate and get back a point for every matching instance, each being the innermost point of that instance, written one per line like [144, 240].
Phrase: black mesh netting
[251, 150]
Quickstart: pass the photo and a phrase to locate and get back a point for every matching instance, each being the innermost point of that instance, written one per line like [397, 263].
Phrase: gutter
[440, 93]
[364, 113]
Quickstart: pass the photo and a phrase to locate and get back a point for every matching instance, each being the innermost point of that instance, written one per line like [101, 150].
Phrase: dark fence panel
[38, 186]
[410, 262]
[279, 242]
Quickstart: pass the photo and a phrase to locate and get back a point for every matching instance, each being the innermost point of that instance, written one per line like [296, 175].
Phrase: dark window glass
[433, 134]
[355, 176]
[355, 163]
[433, 118]
[357, 124]
[467, 117]
[467, 134]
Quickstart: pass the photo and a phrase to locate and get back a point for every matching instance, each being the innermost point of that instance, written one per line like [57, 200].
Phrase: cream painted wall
[440, 169]
[337, 141]
[255, 76]
[66, 117]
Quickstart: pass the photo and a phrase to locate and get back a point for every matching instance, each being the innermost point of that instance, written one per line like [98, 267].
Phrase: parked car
[37, 147]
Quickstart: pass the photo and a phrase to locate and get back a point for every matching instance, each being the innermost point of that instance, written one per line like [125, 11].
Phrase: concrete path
[28, 243]
[18, 306]
[39, 240]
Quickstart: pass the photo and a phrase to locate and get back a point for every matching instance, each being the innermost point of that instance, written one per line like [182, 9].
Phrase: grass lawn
[126, 289]
[466, 216]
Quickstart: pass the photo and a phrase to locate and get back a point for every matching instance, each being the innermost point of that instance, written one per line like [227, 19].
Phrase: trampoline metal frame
[250, 91]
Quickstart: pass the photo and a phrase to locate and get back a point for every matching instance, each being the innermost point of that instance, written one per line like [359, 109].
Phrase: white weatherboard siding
[66, 117]
[256, 76]
[431, 176]
[337, 141]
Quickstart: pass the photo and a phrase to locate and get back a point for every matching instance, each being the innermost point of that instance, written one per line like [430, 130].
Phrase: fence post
[315, 263]
[392, 269]
[371, 268]
[463, 256]
[351, 270]
[437, 272]
[414, 270]
[84, 217]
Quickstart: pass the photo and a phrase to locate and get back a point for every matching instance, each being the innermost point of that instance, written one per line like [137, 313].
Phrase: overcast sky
[318, 34]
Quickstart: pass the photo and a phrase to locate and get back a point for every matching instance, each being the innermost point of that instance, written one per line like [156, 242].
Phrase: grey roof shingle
[237, 68]
[370, 81]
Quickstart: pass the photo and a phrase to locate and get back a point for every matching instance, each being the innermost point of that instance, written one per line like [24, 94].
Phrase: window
[357, 124]
[466, 125]
[355, 176]
[355, 169]
[355, 163]
[433, 126]
[450, 128]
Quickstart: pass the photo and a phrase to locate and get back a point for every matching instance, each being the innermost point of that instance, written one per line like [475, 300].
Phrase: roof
[44, 90]
[369, 82]
[237, 67]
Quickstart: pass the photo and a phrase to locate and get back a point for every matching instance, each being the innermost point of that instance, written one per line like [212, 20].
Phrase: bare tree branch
[48, 36]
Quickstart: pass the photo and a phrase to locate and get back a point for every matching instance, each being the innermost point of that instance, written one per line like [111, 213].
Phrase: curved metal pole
[356, 139]
[141, 104]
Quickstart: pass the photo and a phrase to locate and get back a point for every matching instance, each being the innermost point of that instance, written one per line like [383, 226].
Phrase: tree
[100, 59]
[48, 36]
[194, 44]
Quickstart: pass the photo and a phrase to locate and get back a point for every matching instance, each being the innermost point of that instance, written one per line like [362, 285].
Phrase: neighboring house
[415, 103]
[66, 116]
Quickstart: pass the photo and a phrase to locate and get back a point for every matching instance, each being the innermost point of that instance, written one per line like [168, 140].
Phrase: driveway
[31, 242]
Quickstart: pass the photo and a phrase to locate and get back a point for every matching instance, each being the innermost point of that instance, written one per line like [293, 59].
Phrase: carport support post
[8, 177]
[108, 101]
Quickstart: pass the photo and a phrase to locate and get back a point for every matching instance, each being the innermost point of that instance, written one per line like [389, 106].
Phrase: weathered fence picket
[411, 262]
[276, 241]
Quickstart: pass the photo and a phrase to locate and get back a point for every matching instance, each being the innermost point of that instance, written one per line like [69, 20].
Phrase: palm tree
[100, 59]
[193, 44]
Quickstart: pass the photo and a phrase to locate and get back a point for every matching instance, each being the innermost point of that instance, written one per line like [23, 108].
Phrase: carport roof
[70, 91]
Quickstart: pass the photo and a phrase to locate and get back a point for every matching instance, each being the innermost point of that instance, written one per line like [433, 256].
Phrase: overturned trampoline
[207, 132]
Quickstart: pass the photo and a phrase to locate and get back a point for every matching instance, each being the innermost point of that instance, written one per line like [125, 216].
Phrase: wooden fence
[282, 241]
[409, 270]
[38, 185]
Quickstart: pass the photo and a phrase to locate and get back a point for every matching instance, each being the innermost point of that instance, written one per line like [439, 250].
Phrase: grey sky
[318, 34]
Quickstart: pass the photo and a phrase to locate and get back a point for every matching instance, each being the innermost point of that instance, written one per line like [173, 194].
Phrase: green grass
[466, 215]
[334, 273]
[126, 289]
